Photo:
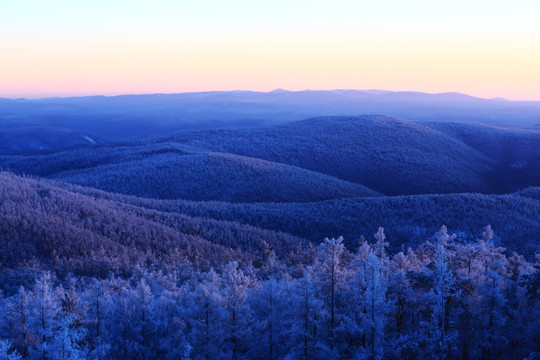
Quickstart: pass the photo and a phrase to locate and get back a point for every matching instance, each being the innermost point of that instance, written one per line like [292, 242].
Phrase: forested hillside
[444, 300]
[65, 231]
[408, 219]
[166, 174]
[386, 155]
[391, 156]
[16, 136]
[365, 237]
[517, 151]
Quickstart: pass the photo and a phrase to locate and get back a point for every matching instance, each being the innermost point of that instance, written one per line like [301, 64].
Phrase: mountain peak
[279, 91]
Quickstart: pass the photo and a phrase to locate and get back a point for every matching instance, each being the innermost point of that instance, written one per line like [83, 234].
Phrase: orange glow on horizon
[75, 66]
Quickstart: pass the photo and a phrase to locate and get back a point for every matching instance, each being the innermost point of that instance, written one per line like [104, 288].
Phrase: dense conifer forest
[365, 237]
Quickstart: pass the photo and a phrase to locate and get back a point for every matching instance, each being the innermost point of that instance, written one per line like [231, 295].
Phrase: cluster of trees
[445, 299]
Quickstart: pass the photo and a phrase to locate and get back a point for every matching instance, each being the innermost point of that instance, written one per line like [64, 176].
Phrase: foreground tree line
[444, 300]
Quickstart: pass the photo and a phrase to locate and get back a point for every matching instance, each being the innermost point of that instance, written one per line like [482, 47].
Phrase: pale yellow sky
[487, 49]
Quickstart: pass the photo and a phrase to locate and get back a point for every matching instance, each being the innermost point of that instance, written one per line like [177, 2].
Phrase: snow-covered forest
[446, 299]
[159, 201]
[226, 244]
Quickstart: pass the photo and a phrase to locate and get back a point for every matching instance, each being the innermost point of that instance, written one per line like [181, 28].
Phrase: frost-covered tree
[206, 314]
[45, 310]
[16, 322]
[271, 303]
[66, 343]
[305, 314]
[380, 245]
[331, 275]
[443, 289]
[238, 315]
[493, 315]
[376, 302]
[7, 352]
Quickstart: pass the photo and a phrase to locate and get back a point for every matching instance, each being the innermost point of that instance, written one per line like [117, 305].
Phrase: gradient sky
[83, 47]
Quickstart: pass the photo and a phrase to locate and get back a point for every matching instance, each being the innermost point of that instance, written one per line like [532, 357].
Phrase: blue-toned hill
[16, 136]
[40, 222]
[408, 220]
[516, 151]
[310, 160]
[389, 155]
[170, 174]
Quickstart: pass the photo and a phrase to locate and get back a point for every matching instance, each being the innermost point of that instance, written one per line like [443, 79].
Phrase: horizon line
[375, 92]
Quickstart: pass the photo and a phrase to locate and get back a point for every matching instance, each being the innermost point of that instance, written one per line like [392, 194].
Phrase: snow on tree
[376, 302]
[330, 276]
[205, 311]
[271, 303]
[238, 314]
[306, 308]
[443, 289]
[7, 352]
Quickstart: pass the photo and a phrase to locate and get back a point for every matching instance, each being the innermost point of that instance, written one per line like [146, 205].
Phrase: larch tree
[376, 302]
[238, 315]
[331, 277]
[442, 290]
[205, 313]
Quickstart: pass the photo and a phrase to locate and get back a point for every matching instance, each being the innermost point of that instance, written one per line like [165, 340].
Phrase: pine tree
[46, 307]
[493, 305]
[17, 318]
[306, 309]
[270, 302]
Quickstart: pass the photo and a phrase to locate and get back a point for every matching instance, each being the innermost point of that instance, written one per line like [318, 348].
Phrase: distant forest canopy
[337, 237]
[127, 117]
[310, 160]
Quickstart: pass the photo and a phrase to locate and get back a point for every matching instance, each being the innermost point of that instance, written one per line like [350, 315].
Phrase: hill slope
[310, 160]
[391, 156]
[212, 176]
[42, 222]
[517, 151]
[407, 220]
[26, 137]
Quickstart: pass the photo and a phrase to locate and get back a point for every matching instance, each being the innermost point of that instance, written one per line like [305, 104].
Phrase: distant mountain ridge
[126, 117]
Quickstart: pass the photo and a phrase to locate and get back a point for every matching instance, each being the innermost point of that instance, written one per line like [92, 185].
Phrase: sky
[87, 47]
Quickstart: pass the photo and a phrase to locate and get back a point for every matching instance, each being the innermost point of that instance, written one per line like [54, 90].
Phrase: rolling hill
[310, 160]
[389, 155]
[16, 136]
[408, 220]
[517, 151]
[166, 174]
[41, 222]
